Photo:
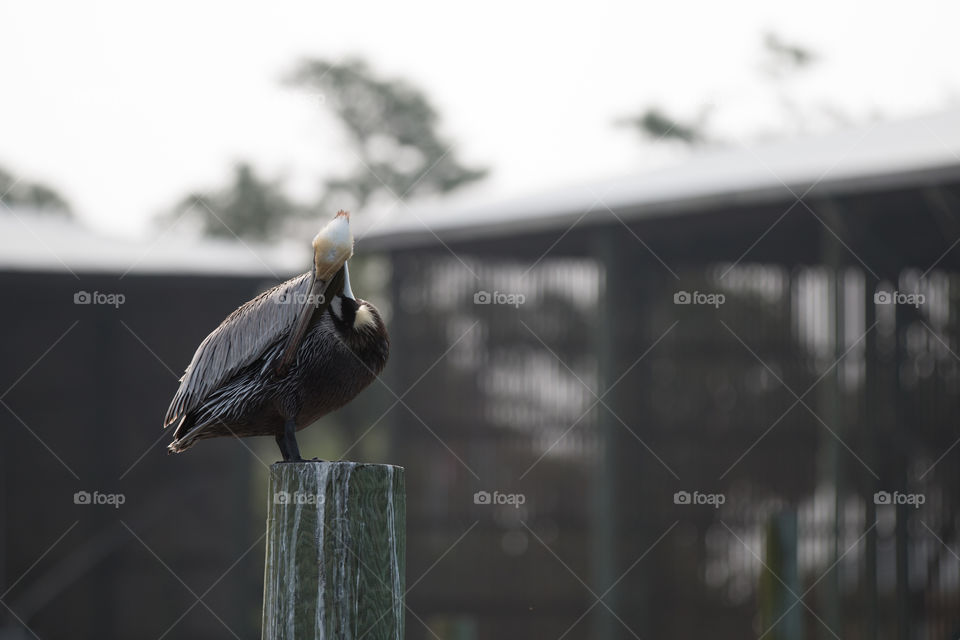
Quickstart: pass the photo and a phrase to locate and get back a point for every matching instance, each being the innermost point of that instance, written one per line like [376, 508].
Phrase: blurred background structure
[717, 395]
[748, 325]
[545, 348]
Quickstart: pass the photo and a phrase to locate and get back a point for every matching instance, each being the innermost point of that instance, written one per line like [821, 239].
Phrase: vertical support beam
[831, 411]
[871, 411]
[900, 461]
[106, 371]
[401, 271]
[335, 557]
[780, 580]
[603, 534]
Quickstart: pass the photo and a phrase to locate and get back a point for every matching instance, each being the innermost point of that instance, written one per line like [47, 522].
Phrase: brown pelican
[284, 359]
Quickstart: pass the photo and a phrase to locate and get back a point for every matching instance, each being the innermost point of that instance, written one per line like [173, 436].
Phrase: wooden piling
[781, 617]
[335, 557]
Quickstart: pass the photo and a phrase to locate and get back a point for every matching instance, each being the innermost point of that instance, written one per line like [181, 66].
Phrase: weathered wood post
[781, 618]
[335, 552]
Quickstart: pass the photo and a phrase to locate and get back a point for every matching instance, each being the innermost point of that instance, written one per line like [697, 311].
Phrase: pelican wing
[240, 340]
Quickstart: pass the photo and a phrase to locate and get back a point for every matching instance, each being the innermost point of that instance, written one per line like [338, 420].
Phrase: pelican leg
[287, 441]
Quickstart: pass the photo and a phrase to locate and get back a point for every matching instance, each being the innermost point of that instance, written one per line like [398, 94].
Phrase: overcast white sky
[126, 106]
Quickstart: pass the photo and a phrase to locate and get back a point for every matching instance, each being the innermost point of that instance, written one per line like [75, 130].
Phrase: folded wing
[240, 340]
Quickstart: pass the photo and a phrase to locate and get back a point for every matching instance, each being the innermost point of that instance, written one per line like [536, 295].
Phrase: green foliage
[250, 207]
[784, 58]
[392, 129]
[781, 62]
[32, 196]
[658, 126]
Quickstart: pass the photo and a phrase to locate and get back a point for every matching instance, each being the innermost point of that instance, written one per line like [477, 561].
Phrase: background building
[776, 326]
[691, 392]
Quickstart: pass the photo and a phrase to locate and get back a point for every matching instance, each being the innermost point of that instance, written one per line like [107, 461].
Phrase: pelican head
[332, 247]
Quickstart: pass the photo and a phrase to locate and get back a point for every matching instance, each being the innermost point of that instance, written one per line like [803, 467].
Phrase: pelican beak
[316, 303]
[347, 291]
[332, 247]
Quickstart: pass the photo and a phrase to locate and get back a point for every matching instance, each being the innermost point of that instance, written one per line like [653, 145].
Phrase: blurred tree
[782, 58]
[657, 125]
[32, 196]
[250, 207]
[781, 64]
[781, 61]
[393, 130]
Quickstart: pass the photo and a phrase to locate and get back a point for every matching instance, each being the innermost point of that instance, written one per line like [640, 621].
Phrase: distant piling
[335, 558]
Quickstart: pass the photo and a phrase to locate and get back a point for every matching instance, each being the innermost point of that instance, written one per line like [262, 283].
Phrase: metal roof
[31, 241]
[884, 155]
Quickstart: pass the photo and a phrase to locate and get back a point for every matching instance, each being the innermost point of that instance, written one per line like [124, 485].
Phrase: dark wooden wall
[92, 382]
